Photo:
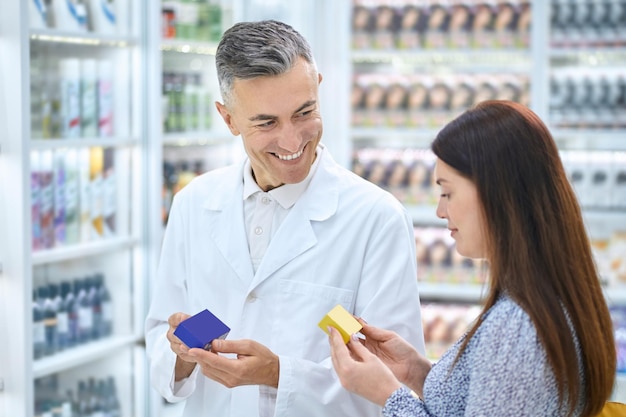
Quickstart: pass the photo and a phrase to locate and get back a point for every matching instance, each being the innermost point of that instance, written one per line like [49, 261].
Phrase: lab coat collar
[296, 234]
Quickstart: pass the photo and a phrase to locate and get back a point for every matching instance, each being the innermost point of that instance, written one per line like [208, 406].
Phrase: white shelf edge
[451, 292]
[81, 38]
[81, 355]
[425, 215]
[435, 54]
[189, 46]
[615, 296]
[82, 249]
[201, 138]
[54, 143]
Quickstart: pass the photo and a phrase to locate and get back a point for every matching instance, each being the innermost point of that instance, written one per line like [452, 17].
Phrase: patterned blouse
[503, 372]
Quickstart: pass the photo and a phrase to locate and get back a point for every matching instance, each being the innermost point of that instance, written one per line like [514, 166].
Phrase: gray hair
[257, 49]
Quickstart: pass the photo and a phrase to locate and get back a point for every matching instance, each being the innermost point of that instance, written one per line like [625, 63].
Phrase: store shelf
[425, 216]
[420, 138]
[54, 143]
[202, 138]
[472, 293]
[83, 250]
[81, 355]
[79, 38]
[590, 140]
[615, 296]
[189, 47]
[489, 58]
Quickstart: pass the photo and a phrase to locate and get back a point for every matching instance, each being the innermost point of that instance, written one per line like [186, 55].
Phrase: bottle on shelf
[84, 312]
[50, 319]
[39, 330]
[106, 324]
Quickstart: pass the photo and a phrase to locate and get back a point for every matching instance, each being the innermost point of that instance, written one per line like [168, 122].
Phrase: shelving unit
[388, 62]
[123, 258]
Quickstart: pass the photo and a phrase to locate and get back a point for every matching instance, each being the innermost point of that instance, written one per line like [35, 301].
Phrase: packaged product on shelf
[84, 312]
[68, 304]
[618, 181]
[600, 186]
[45, 300]
[374, 100]
[104, 16]
[576, 166]
[39, 330]
[482, 33]
[168, 19]
[106, 305]
[96, 192]
[35, 201]
[70, 15]
[362, 26]
[505, 22]
[395, 103]
[417, 101]
[410, 27]
[38, 14]
[72, 219]
[383, 36]
[46, 181]
[618, 256]
[458, 34]
[59, 292]
[89, 98]
[440, 95]
[209, 20]
[84, 198]
[357, 101]
[187, 19]
[109, 193]
[105, 98]
[69, 70]
[59, 197]
[437, 25]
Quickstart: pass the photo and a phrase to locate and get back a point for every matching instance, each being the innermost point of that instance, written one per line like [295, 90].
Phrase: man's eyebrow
[260, 117]
[305, 105]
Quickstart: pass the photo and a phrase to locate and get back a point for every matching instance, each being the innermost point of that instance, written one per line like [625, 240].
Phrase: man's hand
[254, 364]
[184, 363]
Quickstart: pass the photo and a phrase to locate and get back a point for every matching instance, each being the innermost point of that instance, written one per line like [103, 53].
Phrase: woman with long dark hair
[543, 344]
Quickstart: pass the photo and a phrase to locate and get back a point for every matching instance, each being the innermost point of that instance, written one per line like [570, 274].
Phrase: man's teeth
[290, 157]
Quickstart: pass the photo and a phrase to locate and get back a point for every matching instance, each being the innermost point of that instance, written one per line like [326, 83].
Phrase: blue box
[200, 330]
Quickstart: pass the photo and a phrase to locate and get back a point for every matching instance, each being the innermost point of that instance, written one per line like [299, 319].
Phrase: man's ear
[228, 118]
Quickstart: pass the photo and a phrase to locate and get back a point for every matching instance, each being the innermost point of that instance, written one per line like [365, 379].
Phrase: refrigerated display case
[75, 250]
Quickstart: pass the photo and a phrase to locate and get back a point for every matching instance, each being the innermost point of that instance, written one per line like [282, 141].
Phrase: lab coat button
[251, 298]
[265, 200]
[258, 230]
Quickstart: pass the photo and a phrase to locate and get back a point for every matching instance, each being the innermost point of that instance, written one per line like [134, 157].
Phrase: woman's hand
[407, 365]
[360, 371]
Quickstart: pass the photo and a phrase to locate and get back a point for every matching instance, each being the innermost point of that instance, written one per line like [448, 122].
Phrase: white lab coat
[345, 241]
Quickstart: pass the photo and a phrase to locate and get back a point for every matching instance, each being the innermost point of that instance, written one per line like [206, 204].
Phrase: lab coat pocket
[301, 305]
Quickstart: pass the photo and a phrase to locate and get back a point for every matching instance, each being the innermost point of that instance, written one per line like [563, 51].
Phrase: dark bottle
[63, 329]
[106, 324]
[85, 312]
[39, 332]
[49, 320]
[114, 408]
[93, 299]
[67, 307]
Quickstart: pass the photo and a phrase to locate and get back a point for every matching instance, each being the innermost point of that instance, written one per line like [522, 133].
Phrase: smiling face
[279, 121]
[460, 205]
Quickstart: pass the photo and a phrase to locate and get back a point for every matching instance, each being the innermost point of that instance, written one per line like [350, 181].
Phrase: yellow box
[342, 320]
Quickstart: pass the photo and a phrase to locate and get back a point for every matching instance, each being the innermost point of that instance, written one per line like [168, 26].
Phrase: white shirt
[344, 241]
[265, 211]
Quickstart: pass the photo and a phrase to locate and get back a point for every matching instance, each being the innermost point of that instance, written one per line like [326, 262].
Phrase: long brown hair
[539, 253]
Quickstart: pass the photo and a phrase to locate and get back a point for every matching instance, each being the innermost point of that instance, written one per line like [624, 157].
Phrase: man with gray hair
[273, 244]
